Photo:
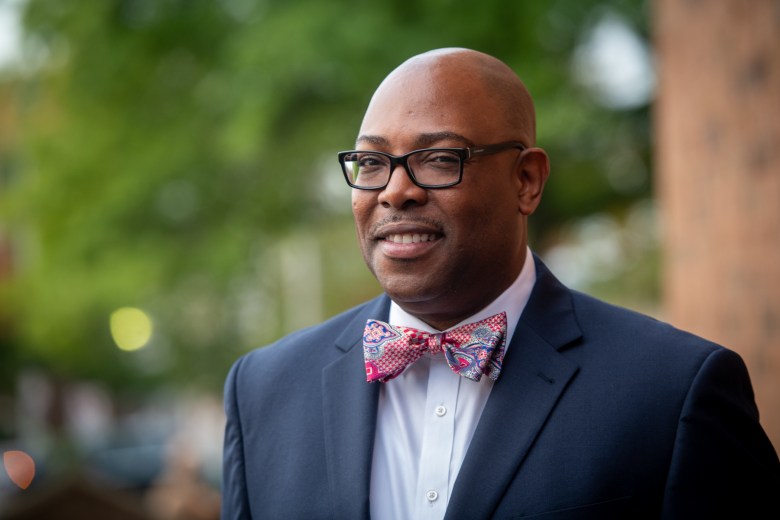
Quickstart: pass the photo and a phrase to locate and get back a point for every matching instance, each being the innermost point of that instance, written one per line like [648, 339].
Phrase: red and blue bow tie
[470, 350]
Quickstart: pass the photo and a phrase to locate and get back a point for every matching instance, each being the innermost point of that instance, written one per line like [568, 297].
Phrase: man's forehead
[419, 140]
[428, 110]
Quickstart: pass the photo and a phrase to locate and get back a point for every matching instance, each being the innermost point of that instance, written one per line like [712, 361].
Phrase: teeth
[409, 238]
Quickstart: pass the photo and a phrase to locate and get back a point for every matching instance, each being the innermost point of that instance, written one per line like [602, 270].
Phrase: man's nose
[400, 191]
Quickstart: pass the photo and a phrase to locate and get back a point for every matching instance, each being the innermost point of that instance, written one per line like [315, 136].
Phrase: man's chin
[408, 289]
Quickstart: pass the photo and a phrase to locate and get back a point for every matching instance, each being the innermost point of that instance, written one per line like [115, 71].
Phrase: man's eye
[370, 160]
[440, 161]
[444, 158]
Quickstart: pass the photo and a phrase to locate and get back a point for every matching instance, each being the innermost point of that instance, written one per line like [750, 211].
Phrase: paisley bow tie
[470, 350]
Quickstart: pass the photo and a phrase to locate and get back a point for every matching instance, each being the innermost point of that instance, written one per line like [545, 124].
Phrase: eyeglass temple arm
[493, 148]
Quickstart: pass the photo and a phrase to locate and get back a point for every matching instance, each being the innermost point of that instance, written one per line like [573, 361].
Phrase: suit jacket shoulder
[289, 407]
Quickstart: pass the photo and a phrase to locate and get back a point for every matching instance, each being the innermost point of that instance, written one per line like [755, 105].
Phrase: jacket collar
[533, 378]
[350, 410]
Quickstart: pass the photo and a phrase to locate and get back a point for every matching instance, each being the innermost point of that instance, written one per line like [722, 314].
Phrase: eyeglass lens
[429, 167]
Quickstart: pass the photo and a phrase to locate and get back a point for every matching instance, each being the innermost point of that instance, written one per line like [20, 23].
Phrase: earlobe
[533, 171]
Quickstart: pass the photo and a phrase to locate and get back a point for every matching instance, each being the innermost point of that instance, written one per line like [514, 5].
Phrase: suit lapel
[533, 378]
[350, 408]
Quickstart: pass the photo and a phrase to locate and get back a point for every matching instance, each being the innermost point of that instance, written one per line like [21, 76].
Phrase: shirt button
[440, 411]
[431, 495]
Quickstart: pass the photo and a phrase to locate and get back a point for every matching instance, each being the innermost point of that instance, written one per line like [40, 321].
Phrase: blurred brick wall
[717, 131]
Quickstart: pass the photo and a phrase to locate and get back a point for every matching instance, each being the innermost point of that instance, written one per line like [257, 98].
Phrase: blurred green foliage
[179, 156]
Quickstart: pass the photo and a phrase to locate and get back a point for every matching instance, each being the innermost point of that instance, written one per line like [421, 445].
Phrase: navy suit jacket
[599, 413]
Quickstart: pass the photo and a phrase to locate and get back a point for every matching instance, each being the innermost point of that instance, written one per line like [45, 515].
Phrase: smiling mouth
[412, 238]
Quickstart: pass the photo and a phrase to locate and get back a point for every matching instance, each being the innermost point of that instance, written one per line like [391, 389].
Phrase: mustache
[407, 219]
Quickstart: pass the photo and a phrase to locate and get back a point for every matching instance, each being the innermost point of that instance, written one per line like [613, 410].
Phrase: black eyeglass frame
[403, 160]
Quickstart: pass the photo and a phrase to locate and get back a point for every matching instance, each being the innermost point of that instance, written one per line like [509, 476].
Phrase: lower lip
[406, 251]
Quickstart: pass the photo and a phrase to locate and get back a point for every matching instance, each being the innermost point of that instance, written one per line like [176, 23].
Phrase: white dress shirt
[427, 417]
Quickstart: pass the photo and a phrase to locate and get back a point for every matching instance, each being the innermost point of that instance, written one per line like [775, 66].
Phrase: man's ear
[533, 168]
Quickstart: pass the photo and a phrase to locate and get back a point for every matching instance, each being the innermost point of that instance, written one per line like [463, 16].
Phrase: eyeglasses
[427, 168]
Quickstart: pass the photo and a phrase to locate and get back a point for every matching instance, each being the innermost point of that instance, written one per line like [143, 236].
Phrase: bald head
[457, 79]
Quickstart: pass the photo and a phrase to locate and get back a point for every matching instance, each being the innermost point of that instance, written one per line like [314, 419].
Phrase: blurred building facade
[717, 129]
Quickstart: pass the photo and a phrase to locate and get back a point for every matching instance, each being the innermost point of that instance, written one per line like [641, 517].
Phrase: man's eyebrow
[424, 140]
[429, 139]
[372, 139]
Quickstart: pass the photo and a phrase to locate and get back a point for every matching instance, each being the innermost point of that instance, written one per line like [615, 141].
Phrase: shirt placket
[432, 493]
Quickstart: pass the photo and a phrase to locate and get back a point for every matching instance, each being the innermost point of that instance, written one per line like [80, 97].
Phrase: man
[576, 409]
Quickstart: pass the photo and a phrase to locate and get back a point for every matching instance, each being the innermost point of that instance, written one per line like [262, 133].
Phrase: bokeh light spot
[20, 468]
[131, 328]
